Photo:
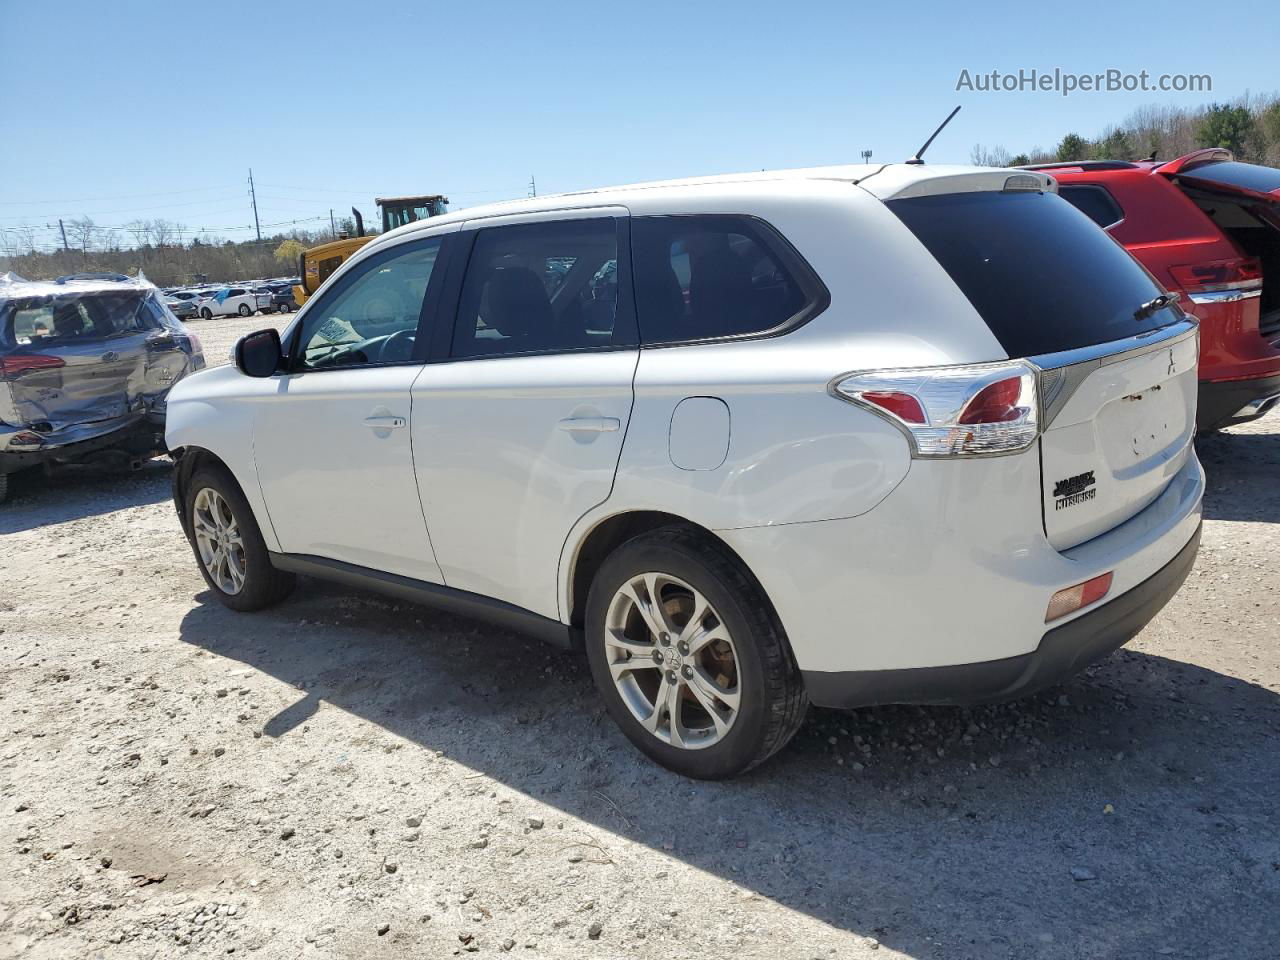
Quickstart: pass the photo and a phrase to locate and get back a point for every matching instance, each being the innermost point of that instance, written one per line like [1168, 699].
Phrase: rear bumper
[1236, 401]
[1063, 652]
[138, 435]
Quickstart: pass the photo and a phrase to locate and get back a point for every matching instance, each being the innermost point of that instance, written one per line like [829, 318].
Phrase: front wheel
[206, 313]
[689, 656]
[228, 545]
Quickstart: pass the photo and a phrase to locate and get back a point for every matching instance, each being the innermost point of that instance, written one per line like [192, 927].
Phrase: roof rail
[1082, 165]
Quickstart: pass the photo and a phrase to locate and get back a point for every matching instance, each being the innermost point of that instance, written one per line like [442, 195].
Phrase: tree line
[159, 249]
[1248, 127]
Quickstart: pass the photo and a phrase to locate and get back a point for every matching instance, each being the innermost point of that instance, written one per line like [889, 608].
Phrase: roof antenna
[920, 153]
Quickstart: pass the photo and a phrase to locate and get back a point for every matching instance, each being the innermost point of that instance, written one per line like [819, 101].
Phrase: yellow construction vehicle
[315, 265]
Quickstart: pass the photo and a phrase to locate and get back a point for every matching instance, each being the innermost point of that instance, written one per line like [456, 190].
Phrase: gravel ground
[344, 776]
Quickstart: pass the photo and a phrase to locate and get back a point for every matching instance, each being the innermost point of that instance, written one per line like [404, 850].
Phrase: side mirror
[259, 354]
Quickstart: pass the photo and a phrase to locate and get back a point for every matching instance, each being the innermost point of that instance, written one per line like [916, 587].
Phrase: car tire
[4, 487]
[746, 674]
[245, 310]
[206, 313]
[228, 544]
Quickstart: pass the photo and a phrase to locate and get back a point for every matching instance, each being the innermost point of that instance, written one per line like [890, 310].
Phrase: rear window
[1232, 173]
[73, 318]
[1039, 272]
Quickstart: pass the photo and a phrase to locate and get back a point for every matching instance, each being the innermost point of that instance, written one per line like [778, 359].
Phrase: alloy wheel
[218, 541]
[672, 660]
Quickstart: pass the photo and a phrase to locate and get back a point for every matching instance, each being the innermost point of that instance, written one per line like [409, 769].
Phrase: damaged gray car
[86, 364]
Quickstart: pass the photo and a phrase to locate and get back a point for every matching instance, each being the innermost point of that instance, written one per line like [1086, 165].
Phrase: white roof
[881, 180]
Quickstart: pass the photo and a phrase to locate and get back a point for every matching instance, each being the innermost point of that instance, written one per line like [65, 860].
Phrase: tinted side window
[1094, 202]
[539, 287]
[372, 315]
[702, 277]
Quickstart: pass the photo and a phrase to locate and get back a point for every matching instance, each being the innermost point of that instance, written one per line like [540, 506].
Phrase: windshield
[1041, 274]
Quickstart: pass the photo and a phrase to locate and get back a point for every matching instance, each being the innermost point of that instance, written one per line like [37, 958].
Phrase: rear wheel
[228, 545]
[245, 310]
[689, 656]
[4, 487]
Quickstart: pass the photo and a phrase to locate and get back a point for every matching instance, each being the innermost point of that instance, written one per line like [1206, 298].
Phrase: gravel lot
[344, 776]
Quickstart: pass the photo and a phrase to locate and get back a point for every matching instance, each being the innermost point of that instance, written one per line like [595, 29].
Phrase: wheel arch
[187, 460]
[609, 533]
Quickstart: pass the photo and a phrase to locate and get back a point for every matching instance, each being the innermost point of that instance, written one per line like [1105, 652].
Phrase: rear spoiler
[1198, 158]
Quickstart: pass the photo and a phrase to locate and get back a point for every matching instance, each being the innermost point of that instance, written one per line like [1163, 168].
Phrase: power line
[119, 196]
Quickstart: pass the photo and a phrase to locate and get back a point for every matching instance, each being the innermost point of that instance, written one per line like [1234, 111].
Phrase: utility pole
[253, 196]
[332, 226]
[866, 156]
[64, 234]
[533, 186]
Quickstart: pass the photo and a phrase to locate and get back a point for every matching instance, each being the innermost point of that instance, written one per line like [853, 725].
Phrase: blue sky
[158, 109]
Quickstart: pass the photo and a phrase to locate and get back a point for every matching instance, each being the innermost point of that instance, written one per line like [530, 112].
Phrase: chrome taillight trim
[907, 430]
[1225, 296]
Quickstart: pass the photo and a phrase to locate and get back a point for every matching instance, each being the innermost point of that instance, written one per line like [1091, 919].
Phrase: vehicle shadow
[1130, 813]
[1242, 471]
[73, 493]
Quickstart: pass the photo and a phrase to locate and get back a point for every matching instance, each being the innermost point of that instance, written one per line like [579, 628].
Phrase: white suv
[849, 436]
[228, 301]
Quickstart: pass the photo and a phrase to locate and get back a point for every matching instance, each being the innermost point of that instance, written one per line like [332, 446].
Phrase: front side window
[372, 315]
[707, 277]
[539, 287]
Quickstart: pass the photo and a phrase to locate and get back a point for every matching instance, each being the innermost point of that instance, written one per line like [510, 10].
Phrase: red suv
[1207, 226]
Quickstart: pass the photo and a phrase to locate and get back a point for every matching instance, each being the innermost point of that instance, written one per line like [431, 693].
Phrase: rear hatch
[1118, 382]
[1243, 200]
[74, 359]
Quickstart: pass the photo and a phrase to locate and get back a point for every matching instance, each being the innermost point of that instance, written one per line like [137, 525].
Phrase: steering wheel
[397, 347]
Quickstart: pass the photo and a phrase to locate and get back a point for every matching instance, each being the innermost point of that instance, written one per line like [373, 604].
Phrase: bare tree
[997, 156]
[80, 232]
[161, 232]
[140, 230]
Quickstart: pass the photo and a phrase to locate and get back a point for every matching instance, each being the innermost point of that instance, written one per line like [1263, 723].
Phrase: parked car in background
[228, 301]
[1208, 227]
[182, 308]
[85, 371]
[282, 299]
[861, 435]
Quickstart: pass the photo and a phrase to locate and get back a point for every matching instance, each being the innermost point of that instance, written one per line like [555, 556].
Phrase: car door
[333, 442]
[520, 416]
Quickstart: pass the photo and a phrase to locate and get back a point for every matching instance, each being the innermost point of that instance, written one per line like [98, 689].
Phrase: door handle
[589, 424]
[384, 423]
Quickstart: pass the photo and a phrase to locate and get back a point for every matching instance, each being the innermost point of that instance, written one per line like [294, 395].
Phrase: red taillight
[15, 364]
[1218, 275]
[995, 403]
[1076, 598]
[902, 405]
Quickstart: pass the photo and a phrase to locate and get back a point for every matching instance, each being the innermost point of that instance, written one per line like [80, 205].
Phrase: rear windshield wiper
[1159, 303]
